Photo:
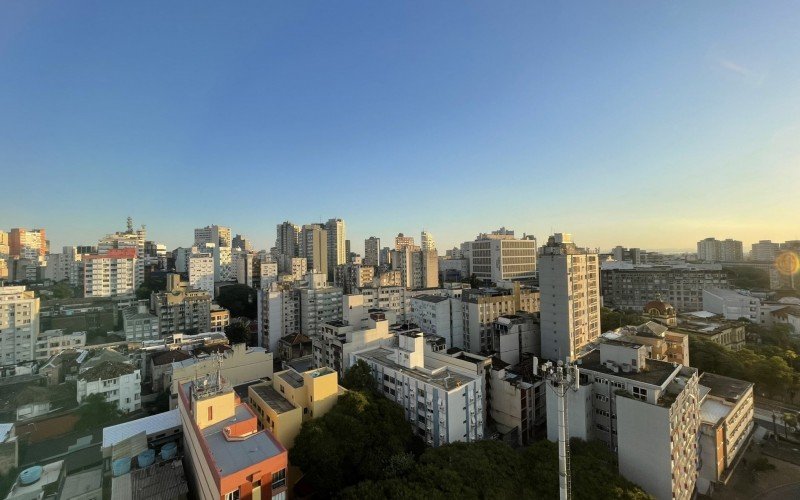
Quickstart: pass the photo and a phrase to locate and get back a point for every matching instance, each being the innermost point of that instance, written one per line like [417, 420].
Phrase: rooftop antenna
[562, 377]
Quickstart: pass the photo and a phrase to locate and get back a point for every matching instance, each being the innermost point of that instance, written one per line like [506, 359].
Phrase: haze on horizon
[647, 125]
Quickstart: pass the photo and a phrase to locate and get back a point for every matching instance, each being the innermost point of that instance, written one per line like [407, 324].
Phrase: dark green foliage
[95, 413]
[359, 378]
[62, 290]
[362, 437]
[240, 300]
[238, 332]
[611, 319]
[749, 278]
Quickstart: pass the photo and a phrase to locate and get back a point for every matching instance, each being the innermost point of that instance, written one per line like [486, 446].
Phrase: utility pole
[562, 377]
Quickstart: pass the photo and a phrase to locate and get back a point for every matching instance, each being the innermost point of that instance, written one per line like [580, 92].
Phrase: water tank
[30, 475]
[121, 466]
[146, 458]
[168, 451]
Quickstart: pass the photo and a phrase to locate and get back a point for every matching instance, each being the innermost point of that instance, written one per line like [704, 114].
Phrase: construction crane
[562, 377]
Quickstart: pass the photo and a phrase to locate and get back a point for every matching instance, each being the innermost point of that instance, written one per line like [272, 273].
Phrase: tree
[62, 290]
[611, 319]
[240, 300]
[238, 332]
[359, 377]
[95, 413]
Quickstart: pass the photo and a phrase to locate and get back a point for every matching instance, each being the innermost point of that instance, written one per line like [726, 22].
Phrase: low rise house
[704, 325]
[118, 382]
[51, 342]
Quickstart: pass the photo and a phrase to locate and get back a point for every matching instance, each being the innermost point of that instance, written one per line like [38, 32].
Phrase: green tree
[611, 319]
[238, 332]
[62, 290]
[95, 413]
[359, 377]
[240, 300]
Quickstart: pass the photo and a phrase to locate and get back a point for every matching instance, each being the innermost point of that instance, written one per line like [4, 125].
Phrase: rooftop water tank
[121, 466]
[168, 451]
[146, 458]
[30, 475]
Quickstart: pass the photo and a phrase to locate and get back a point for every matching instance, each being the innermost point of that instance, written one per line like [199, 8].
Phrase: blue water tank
[168, 451]
[121, 466]
[30, 475]
[146, 458]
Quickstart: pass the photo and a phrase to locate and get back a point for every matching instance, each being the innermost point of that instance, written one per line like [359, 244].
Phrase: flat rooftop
[272, 398]
[655, 372]
[291, 377]
[82, 483]
[233, 456]
[712, 411]
[162, 481]
[153, 424]
[445, 379]
[730, 389]
[431, 298]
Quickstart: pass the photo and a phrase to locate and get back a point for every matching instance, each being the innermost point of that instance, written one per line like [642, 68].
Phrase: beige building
[496, 258]
[664, 345]
[516, 401]
[314, 247]
[19, 324]
[51, 342]
[569, 283]
[293, 398]
[336, 340]
[239, 364]
[713, 328]
[220, 318]
[482, 306]
[111, 273]
[182, 309]
[726, 424]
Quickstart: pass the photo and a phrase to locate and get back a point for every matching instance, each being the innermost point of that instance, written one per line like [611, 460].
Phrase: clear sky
[636, 123]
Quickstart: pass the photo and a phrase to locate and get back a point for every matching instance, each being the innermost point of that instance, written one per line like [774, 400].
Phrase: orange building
[228, 457]
[27, 243]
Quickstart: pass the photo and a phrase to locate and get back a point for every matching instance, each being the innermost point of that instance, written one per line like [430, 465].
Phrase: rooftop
[654, 372]
[153, 424]
[291, 377]
[168, 357]
[431, 298]
[727, 388]
[107, 370]
[272, 398]
[161, 481]
[445, 378]
[712, 411]
[231, 456]
[82, 483]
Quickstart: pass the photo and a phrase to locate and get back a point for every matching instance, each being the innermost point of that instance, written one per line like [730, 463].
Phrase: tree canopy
[611, 319]
[359, 378]
[95, 413]
[240, 300]
[238, 332]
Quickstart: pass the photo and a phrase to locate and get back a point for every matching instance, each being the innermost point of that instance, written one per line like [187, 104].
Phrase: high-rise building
[351, 277]
[482, 306]
[19, 324]
[130, 238]
[5, 250]
[217, 241]
[496, 258]
[111, 273]
[201, 272]
[569, 283]
[401, 242]
[278, 314]
[319, 303]
[713, 250]
[65, 266]
[218, 235]
[287, 240]
[426, 241]
[386, 256]
[314, 247]
[418, 268]
[337, 248]
[27, 243]
[182, 309]
[241, 243]
[764, 251]
[372, 250]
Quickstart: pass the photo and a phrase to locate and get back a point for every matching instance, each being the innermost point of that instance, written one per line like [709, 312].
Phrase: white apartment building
[427, 242]
[243, 266]
[418, 268]
[482, 306]
[439, 315]
[111, 273]
[138, 324]
[51, 342]
[319, 303]
[219, 236]
[372, 251]
[123, 240]
[731, 304]
[19, 324]
[714, 250]
[181, 256]
[201, 271]
[516, 335]
[569, 283]
[278, 314]
[336, 340]
[392, 298]
[217, 241]
[645, 410]
[65, 266]
[269, 273]
[443, 402]
[764, 251]
[498, 258]
[118, 382]
[27, 243]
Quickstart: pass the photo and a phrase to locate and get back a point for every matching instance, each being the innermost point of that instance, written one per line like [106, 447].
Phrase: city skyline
[225, 115]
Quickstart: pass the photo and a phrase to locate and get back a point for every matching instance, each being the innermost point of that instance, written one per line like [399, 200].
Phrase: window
[640, 393]
[279, 479]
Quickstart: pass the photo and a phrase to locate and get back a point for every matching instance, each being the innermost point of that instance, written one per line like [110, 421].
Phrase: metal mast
[561, 378]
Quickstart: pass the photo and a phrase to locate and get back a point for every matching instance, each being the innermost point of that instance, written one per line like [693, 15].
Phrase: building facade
[182, 309]
[19, 325]
[110, 274]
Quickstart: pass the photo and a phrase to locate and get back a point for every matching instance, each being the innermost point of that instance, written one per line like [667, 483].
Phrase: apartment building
[319, 303]
[293, 398]
[19, 325]
[27, 243]
[764, 251]
[314, 247]
[110, 274]
[372, 251]
[287, 240]
[482, 306]
[227, 456]
[714, 250]
[138, 324]
[703, 325]
[220, 318]
[516, 401]
[337, 248]
[217, 241]
[51, 342]
[119, 382]
[570, 297]
[662, 343]
[496, 258]
[440, 315]
[65, 266]
[336, 340]
[201, 271]
[351, 277]
[129, 239]
[181, 308]
[516, 336]
[418, 268]
[631, 287]
[645, 410]
[402, 242]
[268, 272]
[396, 300]
[732, 304]
[278, 313]
[426, 241]
[726, 425]
[443, 401]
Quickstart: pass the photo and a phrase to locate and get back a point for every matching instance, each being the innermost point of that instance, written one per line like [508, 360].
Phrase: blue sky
[632, 123]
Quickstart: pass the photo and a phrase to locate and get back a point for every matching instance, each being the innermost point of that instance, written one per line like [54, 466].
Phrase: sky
[635, 123]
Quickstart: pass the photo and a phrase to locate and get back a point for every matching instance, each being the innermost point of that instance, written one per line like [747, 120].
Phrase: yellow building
[293, 398]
